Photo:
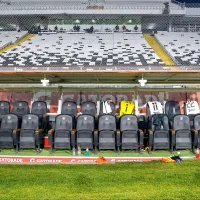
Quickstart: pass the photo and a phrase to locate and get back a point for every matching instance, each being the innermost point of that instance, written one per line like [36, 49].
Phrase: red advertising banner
[70, 160]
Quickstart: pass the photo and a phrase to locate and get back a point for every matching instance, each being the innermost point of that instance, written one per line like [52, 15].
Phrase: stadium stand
[183, 47]
[10, 37]
[82, 49]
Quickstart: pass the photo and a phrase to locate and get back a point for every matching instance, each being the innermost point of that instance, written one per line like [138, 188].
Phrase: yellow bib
[126, 107]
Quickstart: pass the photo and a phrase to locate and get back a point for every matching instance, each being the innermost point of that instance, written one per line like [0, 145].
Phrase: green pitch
[107, 153]
[145, 181]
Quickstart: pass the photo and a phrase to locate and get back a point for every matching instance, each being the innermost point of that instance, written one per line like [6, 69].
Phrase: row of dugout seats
[165, 131]
[129, 136]
[21, 108]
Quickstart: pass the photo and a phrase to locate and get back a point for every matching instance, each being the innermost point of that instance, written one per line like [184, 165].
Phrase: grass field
[153, 180]
[107, 153]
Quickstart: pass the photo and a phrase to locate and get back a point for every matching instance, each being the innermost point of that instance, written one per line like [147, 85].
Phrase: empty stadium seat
[4, 108]
[82, 50]
[131, 136]
[158, 134]
[89, 108]
[31, 134]
[39, 108]
[9, 132]
[20, 108]
[181, 134]
[172, 108]
[62, 137]
[109, 138]
[112, 106]
[69, 108]
[85, 131]
[182, 46]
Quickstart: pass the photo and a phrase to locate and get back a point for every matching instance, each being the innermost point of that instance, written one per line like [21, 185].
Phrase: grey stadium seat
[69, 108]
[181, 133]
[4, 108]
[61, 137]
[158, 134]
[9, 132]
[31, 134]
[172, 108]
[108, 136]
[131, 136]
[20, 108]
[39, 108]
[196, 132]
[89, 108]
[85, 131]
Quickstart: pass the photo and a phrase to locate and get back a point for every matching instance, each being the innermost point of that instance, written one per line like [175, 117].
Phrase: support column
[60, 100]
[136, 101]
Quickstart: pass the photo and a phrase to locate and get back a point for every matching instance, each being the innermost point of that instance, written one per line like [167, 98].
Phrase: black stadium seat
[39, 108]
[109, 138]
[196, 132]
[85, 131]
[131, 136]
[9, 132]
[69, 108]
[4, 108]
[158, 133]
[61, 137]
[172, 108]
[20, 108]
[181, 134]
[31, 134]
[89, 108]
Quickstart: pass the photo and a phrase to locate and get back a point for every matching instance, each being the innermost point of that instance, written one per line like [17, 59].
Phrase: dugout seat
[39, 108]
[69, 108]
[85, 131]
[196, 132]
[131, 136]
[109, 138]
[191, 109]
[31, 134]
[20, 108]
[4, 108]
[181, 134]
[89, 108]
[172, 108]
[112, 106]
[9, 132]
[62, 136]
[158, 134]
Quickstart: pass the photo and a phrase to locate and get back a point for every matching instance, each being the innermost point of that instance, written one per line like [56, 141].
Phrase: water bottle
[79, 150]
[87, 153]
[73, 151]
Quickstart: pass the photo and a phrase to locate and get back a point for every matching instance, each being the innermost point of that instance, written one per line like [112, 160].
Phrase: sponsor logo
[44, 160]
[11, 160]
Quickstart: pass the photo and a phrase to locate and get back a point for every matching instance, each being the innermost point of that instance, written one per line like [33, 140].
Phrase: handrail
[85, 8]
